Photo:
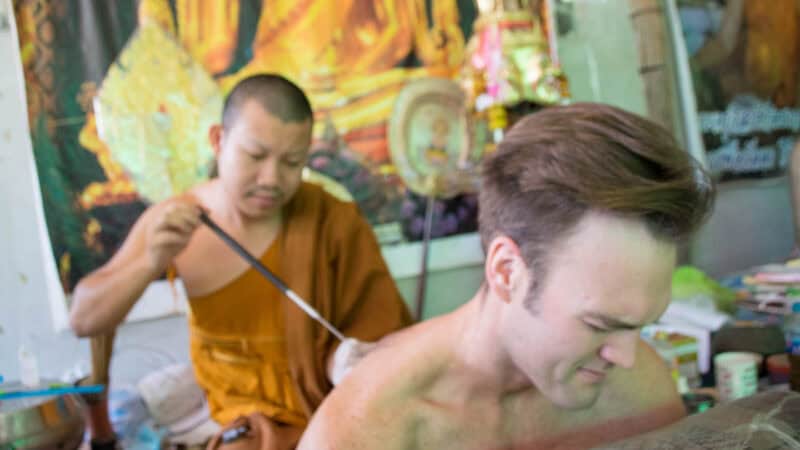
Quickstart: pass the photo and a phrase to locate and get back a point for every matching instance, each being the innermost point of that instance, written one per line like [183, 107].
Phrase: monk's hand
[170, 230]
[346, 356]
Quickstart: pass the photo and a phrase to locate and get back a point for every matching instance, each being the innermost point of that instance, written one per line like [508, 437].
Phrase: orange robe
[255, 351]
[772, 49]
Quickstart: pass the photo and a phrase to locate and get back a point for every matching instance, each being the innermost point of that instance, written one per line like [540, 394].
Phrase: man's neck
[480, 365]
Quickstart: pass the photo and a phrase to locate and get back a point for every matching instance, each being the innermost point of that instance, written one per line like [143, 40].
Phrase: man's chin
[261, 213]
[578, 398]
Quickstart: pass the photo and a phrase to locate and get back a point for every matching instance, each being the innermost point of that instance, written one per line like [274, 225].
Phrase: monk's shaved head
[277, 95]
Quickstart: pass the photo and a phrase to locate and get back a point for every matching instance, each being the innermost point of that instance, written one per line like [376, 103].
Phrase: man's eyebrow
[612, 323]
[257, 145]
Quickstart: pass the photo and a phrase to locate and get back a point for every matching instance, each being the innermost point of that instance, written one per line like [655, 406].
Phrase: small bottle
[791, 329]
[28, 368]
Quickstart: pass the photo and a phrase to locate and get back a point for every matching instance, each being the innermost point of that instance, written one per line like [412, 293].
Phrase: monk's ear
[215, 135]
[504, 268]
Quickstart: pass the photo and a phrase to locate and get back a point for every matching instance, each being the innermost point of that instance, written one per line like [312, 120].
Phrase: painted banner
[120, 95]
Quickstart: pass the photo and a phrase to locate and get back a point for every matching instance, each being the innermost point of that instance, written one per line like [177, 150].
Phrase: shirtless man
[581, 210]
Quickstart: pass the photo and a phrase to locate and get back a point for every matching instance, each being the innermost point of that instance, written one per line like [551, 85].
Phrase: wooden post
[655, 61]
[100, 428]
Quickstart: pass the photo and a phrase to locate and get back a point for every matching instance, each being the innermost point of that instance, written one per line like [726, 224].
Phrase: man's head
[581, 210]
[262, 144]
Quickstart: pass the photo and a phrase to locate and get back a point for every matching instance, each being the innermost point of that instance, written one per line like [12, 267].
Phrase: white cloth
[176, 402]
[347, 355]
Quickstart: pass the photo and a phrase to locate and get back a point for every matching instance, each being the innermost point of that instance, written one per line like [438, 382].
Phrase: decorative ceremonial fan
[432, 140]
[436, 148]
[153, 111]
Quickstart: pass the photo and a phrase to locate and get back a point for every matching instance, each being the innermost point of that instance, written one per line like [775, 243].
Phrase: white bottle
[28, 368]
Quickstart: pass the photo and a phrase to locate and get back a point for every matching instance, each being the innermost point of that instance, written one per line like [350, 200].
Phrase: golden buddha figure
[343, 53]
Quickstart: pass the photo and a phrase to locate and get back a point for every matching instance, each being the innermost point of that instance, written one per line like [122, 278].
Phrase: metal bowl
[40, 423]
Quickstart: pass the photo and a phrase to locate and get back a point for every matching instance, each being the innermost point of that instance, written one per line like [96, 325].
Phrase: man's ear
[504, 268]
[215, 133]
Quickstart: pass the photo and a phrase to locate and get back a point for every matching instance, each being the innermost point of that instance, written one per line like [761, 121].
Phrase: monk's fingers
[170, 238]
[183, 218]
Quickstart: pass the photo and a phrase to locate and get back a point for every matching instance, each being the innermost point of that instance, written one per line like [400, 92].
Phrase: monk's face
[260, 159]
[603, 281]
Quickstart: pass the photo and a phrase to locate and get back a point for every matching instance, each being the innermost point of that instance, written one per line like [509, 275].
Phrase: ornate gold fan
[432, 140]
[153, 111]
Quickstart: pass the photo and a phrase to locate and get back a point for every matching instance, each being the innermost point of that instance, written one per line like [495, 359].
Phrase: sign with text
[745, 59]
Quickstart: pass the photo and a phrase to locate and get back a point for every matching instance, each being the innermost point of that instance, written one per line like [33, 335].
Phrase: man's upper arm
[329, 433]
[102, 298]
[316, 436]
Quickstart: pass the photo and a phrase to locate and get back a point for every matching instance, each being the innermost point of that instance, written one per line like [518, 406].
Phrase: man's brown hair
[557, 164]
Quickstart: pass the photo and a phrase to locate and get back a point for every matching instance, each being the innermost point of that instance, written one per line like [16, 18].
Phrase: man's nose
[620, 348]
[269, 173]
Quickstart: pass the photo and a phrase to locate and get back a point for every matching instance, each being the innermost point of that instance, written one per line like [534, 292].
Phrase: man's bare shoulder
[197, 194]
[200, 194]
[204, 193]
[376, 406]
[646, 393]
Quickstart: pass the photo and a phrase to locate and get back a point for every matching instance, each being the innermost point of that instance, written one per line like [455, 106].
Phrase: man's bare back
[425, 406]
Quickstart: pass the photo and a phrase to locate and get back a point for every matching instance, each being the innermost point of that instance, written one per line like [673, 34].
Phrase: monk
[581, 209]
[755, 51]
[253, 351]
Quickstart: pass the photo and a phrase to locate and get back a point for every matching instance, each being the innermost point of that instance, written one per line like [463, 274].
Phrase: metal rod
[296, 299]
[422, 281]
